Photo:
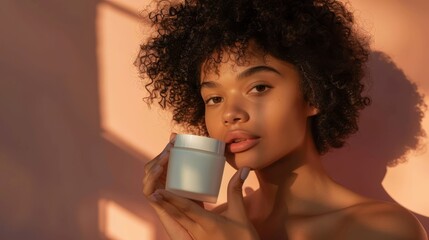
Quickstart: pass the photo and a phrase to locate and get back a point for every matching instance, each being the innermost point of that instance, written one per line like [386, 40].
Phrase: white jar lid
[200, 143]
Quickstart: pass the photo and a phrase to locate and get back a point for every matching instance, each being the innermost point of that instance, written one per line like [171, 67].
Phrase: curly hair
[317, 36]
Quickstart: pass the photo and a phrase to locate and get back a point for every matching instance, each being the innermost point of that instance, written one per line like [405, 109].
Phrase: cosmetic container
[195, 167]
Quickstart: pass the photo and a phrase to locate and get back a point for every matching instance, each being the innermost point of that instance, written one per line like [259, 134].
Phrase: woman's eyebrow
[253, 70]
[208, 84]
[246, 73]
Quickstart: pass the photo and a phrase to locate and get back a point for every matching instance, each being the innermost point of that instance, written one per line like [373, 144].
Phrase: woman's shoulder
[364, 219]
[380, 220]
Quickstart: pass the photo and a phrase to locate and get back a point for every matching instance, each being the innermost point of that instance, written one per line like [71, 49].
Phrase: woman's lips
[243, 145]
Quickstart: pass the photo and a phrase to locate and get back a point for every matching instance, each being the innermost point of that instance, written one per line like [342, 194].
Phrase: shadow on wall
[389, 128]
[56, 163]
[51, 154]
[127, 170]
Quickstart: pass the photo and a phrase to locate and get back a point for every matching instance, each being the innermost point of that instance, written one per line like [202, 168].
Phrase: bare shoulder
[381, 220]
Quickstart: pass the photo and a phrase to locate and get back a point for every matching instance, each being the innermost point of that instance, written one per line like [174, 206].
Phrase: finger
[162, 207]
[199, 203]
[155, 170]
[194, 210]
[151, 180]
[173, 228]
[236, 209]
[160, 159]
[163, 157]
[173, 137]
[249, 191]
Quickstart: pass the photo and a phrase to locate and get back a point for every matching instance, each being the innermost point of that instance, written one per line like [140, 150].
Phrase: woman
[281, 83]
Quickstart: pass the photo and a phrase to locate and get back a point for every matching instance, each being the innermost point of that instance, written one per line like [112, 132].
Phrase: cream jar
[195, 167]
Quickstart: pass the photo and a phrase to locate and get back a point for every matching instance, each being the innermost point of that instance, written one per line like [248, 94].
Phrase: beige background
[75, 134]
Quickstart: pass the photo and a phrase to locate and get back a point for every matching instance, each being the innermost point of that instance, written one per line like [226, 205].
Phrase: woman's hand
[153, 179]
[156, 170]
[205, 225]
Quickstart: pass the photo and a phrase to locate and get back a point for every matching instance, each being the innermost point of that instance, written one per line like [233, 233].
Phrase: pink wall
[75, 135]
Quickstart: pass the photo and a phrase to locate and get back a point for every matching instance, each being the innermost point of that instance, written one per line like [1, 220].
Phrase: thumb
[236, 209]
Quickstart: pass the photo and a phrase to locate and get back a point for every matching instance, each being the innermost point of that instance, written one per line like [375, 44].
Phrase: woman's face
[257, 108]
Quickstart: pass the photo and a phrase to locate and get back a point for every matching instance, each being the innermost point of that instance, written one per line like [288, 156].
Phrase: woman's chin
[238, 162]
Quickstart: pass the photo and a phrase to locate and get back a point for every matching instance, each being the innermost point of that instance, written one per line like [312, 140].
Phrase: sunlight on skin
[118, 223]
[396, 27]
[251, 184]
[406, 181]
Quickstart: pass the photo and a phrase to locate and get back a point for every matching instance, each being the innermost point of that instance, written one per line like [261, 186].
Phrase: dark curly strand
[317, 36]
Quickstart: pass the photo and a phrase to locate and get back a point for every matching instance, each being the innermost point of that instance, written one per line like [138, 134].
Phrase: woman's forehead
[230, 60]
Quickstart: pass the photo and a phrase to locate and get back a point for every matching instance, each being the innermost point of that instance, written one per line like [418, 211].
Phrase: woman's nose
[234, 113]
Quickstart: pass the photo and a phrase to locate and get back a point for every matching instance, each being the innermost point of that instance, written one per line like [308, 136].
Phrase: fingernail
[172, 137]
[244, 173]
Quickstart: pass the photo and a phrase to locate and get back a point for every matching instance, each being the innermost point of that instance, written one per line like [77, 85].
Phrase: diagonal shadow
[55, 163]
[52, 152]
[126, 173]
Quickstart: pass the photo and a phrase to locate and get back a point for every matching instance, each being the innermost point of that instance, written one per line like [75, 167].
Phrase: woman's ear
[312, 110]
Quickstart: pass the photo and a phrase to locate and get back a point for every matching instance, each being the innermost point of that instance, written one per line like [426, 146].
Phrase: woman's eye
[259, 88]
[213, 100]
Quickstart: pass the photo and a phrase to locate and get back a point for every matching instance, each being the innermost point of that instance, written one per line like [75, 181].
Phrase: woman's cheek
[210, 121]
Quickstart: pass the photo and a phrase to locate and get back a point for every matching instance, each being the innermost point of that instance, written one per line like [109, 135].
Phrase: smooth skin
[258, 108]
[186, 219]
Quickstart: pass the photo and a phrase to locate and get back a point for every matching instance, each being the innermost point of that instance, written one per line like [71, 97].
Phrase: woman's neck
[295, 185]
